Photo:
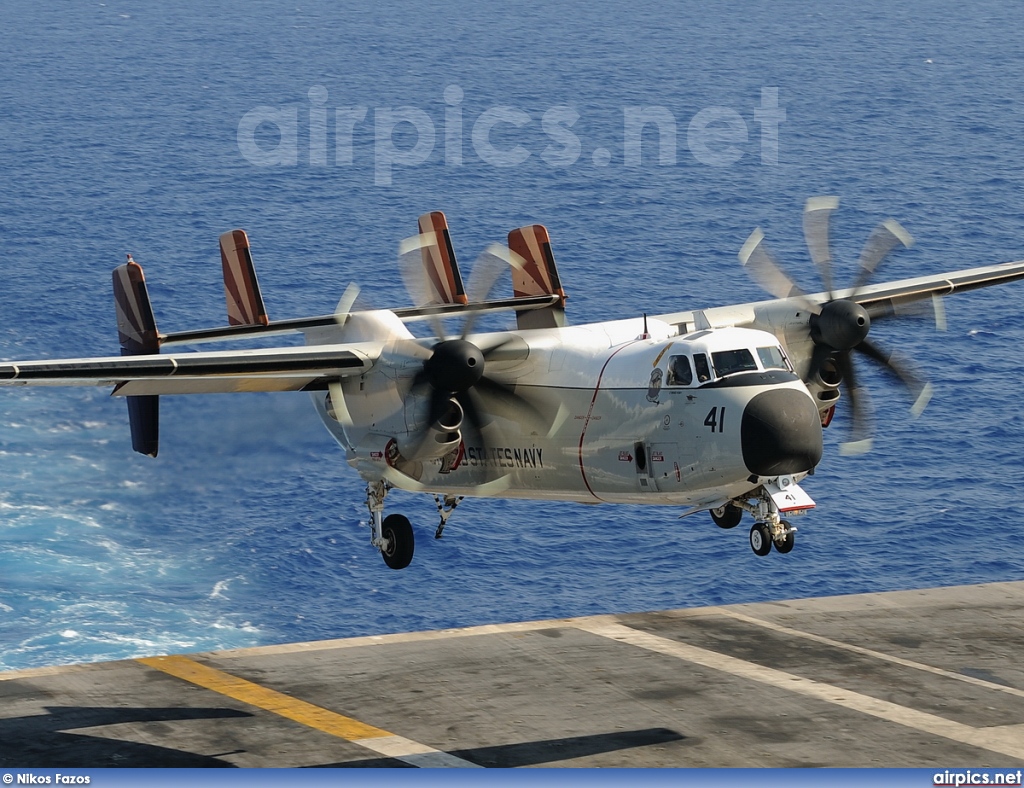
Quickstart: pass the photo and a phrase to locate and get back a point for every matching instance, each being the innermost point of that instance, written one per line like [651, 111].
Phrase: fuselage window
[700, 363]
[772, 358]
[679, 372]
[729, 362]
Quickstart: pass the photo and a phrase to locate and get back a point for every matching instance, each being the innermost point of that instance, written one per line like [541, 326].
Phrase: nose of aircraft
[780, 433]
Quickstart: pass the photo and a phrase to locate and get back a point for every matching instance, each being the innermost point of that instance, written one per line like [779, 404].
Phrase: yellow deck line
[270, 700]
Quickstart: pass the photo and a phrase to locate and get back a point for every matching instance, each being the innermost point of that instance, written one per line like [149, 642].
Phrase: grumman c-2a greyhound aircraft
[719, 409]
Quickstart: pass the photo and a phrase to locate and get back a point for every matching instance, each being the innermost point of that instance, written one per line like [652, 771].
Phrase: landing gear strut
[392, 535]
[770, 529]
[445, 508]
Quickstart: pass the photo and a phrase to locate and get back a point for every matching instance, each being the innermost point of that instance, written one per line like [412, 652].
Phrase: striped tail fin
[444, 282]
[538, 276]
[242, 290]
[136, 330]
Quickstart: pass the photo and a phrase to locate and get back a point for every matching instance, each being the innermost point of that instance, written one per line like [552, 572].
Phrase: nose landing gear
[770, 529]
[762, 537]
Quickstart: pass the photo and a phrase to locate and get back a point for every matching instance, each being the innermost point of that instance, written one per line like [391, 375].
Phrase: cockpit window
[700, 363]
[728, 362]
[772, 358]
[679, 372]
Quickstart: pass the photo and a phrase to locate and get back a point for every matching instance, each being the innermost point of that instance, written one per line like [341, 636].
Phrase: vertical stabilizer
[136, 330]
[443, 280]
[242, 290]
[538, 276]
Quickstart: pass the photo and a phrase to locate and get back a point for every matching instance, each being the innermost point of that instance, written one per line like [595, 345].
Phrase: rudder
[538, 276]
[439, 263]
[137, 333]
[241, 288]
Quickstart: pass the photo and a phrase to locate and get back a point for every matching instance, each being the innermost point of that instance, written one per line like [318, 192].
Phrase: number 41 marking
[715, 420]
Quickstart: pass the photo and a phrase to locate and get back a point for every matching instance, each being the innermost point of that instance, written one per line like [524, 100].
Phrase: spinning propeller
[839, 327]
[456, 376]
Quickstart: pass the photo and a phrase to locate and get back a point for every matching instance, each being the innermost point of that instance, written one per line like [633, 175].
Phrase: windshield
[728, 362]
[772, 358]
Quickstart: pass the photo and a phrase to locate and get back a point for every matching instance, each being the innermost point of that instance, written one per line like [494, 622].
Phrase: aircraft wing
[268, 369]
[884, 296]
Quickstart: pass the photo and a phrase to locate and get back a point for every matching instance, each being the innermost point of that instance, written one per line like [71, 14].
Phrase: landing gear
[445, 508]
[392, 535]
[727, 516]
[770, 529]
[785, 544]
[398, 541]
[761, 538]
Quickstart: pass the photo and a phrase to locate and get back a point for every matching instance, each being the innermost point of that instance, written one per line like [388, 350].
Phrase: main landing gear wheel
[727, 516]
[788, 540]
[761, 538]
[399, 543]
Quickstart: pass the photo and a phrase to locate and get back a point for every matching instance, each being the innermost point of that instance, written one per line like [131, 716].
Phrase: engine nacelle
[441, 438]
[824, 385]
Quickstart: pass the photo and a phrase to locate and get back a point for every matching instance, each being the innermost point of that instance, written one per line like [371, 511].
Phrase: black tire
[760, 539]
[786, 545]
[727, 516]
[397, 532]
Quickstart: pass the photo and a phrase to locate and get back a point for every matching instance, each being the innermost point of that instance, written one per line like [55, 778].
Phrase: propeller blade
[819, 356]
[817, 214]
[338, 406]
[511, 347]
[473, 433]
[440, 406]
[860, 430]
[765, 271]
[345, 304]
[401, 480]
[920, 389]
[501, 400]
[410, 266]
[931, 308]
[886, 237]
[494, 261]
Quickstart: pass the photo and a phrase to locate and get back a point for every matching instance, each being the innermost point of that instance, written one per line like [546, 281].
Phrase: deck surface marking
[1004, 740]
[311, 715]
[989, 685]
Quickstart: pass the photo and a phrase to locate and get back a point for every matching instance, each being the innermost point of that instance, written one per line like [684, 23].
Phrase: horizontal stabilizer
[538, 276]
[242, 290]
[136, 329]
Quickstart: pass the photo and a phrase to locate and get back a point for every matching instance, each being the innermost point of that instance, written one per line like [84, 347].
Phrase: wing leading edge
[886, 295]
[270, 369]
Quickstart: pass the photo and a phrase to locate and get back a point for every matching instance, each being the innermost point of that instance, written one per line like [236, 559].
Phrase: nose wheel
[762, 539]
[785, 544]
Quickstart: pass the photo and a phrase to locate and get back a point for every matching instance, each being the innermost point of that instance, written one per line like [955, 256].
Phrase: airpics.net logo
[404, 137]
[956, 778]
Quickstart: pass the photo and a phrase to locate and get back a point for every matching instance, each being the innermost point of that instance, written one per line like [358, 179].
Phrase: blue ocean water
[120, 132]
